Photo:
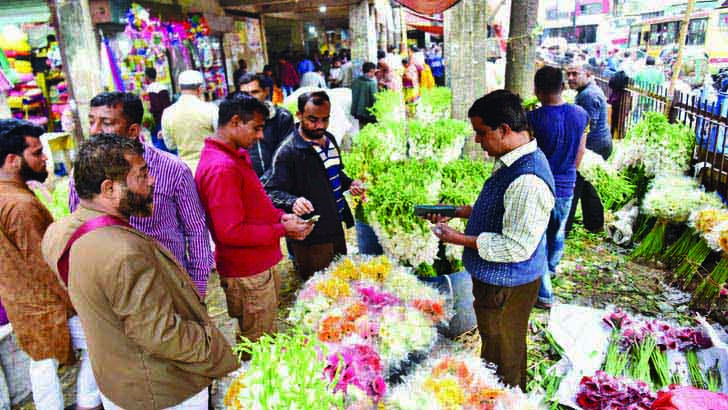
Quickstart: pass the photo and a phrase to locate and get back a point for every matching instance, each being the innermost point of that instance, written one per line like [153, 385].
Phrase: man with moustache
[152, 344]
[37, 303]
[178, 221]
[246, 227]
[308, 179]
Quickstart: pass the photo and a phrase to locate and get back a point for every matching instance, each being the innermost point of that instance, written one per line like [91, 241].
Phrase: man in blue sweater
[505, 243]
[559, 131]
[599, 140]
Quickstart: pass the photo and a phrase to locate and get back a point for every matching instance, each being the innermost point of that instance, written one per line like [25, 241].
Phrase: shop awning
[428, 6]
[424, 23]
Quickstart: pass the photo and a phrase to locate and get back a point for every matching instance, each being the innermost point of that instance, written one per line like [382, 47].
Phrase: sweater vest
[487, 216]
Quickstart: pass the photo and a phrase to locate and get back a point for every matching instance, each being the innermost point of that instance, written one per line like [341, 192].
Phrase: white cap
[190, 77]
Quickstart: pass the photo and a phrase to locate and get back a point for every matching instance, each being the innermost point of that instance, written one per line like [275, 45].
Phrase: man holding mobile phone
[246, 227]
[308, 178]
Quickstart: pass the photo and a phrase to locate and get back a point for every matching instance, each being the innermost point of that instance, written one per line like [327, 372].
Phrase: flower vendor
[504, 241]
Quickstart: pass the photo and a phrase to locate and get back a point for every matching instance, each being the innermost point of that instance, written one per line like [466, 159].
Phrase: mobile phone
[312, 219]
[442, 210]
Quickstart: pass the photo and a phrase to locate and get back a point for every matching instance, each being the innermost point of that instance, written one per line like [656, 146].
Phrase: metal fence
[707, 119]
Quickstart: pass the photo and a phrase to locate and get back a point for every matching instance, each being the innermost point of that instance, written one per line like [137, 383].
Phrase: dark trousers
[502, 314]
[364, 121]
[440, 81]
[591, 206]
[310, 259]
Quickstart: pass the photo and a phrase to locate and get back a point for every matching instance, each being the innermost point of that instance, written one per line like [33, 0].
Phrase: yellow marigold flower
[334, 288]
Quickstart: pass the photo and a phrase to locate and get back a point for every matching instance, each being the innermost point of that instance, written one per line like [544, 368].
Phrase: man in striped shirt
[308, 178]
[178, 220]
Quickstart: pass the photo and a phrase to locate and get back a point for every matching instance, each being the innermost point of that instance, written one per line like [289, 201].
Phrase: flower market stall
[366, 338]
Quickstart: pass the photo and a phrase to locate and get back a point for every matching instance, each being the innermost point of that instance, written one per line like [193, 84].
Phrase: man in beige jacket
[152, 344]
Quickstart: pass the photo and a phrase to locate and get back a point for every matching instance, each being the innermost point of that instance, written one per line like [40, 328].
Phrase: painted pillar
[363, 34]
[465, 57]
[80, 54]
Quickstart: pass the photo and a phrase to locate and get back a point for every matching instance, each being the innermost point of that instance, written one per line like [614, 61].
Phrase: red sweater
[243, 222]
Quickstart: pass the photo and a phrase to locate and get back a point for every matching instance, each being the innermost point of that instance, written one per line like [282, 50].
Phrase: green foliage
[462, 181]
[439, 99]
[653, 244]
[387, 106]
[530, 103]
[292, 106]
[437, 135]
[57, 201]
[396, 192]
[287, 368]
[708, 289]
[696, 375]
[677, 251]
[616, 361]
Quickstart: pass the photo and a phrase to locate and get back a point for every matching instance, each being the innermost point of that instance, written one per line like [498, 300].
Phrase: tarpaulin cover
[428, 6]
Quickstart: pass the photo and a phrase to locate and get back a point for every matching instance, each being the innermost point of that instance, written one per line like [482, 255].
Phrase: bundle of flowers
[638, 347]
[373, 315]
[695, 244]
[671, 198]
[462, 181]
[285, 372]
[656, 145]
[390, 210]
[667, 336]
[453, 381]
[441, 140]
[613, 187]
[605, 392]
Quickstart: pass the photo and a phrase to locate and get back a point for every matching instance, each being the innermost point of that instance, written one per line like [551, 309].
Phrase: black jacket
[298, 172]
[277, 129]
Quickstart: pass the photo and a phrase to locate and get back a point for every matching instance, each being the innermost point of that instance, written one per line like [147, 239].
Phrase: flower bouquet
[455, 382]
[704, 228]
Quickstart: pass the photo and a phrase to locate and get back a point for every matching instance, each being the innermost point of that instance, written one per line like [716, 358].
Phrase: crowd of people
[122, 280]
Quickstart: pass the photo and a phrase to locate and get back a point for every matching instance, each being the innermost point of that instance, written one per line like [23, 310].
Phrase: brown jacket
[35, 299]
[152, 344]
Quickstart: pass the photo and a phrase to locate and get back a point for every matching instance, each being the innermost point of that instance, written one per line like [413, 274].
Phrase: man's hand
[357, 188]
[296, 228]
[445, 233]
[302, 206]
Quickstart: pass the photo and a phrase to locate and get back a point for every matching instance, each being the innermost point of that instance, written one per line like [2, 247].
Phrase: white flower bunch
[673, 197]
[409, 247]
[403, 330]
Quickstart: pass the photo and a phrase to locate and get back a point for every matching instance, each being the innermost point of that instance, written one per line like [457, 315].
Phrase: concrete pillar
[465, 55]
[363, 34]
[80, 54]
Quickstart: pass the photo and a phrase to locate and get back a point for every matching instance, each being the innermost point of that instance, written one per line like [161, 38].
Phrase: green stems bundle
[616, 360]
[713, 378]
[662, 368]
[286, 371]
[653, 244]
[710, 286]
[677, 251]
[641, 354]
[696, 375]
[691, 262]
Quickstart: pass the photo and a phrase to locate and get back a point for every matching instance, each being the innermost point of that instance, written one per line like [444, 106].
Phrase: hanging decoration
[428, 7]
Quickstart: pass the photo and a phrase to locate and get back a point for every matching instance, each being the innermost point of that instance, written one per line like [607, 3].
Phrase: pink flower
[377, 388]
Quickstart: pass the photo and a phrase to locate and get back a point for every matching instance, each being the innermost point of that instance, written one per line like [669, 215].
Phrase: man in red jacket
[246, 227]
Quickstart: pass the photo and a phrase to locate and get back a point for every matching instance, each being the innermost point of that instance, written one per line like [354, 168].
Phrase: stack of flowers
[441, 140]
[390, 210]
[638, 348]
[456, 382]
[373, 317]
[605, 392]
[656, 145]
[696, 243]
[285, 373]
[671, 199]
